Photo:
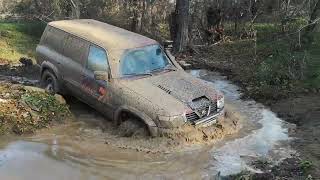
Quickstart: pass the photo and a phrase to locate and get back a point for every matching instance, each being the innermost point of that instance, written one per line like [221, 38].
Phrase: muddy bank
[290, 168]
[304, 111]
[25, 109]
[25, 69]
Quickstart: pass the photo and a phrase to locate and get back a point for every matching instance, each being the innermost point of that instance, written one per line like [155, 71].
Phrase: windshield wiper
[138, 74]
[168, 67]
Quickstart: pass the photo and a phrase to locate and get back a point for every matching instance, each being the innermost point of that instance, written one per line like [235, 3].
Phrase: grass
[19, 39]
[286, 61]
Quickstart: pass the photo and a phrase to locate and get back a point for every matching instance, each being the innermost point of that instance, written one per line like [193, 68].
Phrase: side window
[75, 48]
[55, 38]
[97, 59]
[44, 35]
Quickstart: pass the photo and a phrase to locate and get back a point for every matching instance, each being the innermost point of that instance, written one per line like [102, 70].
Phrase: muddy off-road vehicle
[126, 76]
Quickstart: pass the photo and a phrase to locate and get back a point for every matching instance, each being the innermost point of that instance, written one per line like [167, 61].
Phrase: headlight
[171, 122]
[220, 102]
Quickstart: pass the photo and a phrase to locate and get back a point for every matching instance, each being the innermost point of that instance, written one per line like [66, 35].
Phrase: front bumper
[202, 123]
[178, 121]
[209, 120]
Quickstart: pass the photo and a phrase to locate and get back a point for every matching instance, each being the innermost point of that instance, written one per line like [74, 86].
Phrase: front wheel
[49, 82]
[133, 127]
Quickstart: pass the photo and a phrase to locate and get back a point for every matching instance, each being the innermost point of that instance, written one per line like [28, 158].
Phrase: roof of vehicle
[105, 35]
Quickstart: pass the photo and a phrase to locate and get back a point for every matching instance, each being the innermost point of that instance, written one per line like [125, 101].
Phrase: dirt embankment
[298, 106]
[25, 109]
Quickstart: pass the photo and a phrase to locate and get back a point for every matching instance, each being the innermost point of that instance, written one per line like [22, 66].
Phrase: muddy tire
[49, 82]
[133, 128]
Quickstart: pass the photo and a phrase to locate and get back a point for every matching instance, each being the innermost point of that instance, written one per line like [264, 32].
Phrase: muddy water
[87, 148]
[263, 135]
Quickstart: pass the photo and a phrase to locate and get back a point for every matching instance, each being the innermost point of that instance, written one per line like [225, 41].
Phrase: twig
[41, 17]
[299, 31]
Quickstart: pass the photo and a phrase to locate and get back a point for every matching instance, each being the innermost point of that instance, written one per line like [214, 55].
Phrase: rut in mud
[89, 149]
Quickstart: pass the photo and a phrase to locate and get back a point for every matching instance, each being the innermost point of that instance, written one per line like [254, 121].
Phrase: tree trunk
[136, 24]
[182, 23]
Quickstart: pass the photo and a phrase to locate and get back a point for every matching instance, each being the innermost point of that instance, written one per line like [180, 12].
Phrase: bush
[283, 67]
[32, 28]
[286, 64]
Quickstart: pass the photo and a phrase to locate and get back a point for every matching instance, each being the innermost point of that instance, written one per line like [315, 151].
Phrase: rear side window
[97, 59]
[44, 35]
[76, 49]
[54, 39]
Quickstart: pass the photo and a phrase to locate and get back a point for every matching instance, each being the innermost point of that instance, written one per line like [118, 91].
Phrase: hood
[172, 91]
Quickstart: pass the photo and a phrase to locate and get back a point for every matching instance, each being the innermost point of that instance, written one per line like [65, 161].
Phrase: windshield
[143, 61]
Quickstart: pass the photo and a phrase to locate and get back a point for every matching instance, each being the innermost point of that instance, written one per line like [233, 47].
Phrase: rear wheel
[49, 82]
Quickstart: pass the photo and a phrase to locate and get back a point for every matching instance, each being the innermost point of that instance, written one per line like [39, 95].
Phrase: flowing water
[83, 149]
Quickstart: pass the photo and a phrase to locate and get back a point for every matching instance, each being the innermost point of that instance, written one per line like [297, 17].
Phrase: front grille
[196, 114]
[192, 117]
[214, 108]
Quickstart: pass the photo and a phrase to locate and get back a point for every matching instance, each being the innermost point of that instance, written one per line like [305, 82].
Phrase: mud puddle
[82, 150]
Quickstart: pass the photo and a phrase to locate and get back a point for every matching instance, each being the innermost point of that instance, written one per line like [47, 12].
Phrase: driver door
[97, 91]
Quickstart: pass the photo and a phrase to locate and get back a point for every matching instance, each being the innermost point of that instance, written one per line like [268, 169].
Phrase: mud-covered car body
[97, 63]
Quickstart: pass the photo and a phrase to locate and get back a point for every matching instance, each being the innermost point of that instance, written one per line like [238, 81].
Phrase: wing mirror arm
[168, 46]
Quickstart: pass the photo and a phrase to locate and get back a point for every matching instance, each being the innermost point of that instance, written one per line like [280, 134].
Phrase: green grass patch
[19, 39]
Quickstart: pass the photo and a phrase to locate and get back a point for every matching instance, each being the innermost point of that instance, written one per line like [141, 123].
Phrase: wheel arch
[49, 66]
[46, 65]
[152, 127]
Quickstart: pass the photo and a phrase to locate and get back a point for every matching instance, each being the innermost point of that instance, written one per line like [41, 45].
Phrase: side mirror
[101, 75]
[168, 44]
